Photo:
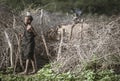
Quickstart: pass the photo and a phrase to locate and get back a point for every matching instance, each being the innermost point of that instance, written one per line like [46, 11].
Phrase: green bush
[47, 74]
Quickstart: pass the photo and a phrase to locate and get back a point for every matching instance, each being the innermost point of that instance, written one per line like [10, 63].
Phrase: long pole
[42, 35]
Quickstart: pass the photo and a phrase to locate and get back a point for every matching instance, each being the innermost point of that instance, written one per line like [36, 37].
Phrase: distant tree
[88, 6]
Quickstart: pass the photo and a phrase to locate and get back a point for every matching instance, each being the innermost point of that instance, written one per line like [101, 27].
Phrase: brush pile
[11, 25]
[96, 38]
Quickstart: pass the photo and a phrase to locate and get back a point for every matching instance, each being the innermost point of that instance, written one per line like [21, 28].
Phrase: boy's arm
[31, 29]
[35, 33]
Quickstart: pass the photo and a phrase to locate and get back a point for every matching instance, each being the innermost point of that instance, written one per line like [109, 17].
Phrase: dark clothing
[28, 44]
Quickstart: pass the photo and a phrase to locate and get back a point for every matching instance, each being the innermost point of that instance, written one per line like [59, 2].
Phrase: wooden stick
[35, 62]
[11, 49]
[42, 35]
[18, 55]
[72, 30]
[60, 46]
[3, 59]
[16, 61]
[19, 51]
[46, 48]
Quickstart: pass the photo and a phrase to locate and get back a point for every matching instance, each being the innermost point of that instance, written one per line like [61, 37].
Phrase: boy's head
[28, 19]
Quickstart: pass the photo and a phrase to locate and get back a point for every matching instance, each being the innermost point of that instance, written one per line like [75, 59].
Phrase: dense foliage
[89, 6]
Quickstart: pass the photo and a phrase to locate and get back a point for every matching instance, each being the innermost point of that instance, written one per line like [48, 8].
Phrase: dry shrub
[12, 25]
[96, 39]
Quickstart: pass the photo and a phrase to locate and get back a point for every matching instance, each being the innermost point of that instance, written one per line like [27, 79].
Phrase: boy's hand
[29, 27]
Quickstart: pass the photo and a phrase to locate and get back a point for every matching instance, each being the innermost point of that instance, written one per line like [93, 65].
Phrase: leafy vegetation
[46, 74]
[88, 6]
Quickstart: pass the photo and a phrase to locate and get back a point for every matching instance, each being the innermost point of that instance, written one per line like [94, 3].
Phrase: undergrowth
[47, 74]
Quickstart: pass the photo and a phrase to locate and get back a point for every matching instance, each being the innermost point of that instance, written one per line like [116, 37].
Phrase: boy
[28, 44]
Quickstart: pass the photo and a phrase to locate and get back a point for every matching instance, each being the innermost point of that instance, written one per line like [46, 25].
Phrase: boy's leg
[33, 66]
[26, 67]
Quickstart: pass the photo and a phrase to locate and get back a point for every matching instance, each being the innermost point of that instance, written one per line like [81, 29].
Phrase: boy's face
[27, 20]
